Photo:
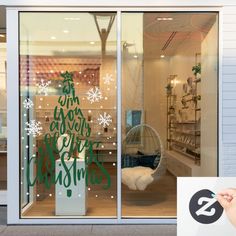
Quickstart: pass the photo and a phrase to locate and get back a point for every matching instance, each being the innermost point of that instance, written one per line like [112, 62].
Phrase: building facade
[108, 103]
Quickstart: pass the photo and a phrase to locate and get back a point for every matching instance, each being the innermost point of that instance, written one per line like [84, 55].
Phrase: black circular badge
[204, 208]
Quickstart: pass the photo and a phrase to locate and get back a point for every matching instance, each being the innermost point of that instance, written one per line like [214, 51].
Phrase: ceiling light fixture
[164, 18]
[53, 37]
[135, 56]
[162, 56]
[65, 31]
[92, 42]
[71, 18]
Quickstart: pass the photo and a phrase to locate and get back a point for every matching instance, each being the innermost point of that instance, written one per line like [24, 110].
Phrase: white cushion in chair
[137, 178]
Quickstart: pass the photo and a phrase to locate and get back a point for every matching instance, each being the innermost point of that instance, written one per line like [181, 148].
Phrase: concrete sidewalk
[83, 230]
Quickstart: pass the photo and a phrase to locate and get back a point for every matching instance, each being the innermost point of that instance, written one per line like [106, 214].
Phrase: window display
[170, 62]
[85, 126]
[68, 115]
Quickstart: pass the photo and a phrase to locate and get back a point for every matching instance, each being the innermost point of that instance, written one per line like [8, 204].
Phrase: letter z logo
[204, 208]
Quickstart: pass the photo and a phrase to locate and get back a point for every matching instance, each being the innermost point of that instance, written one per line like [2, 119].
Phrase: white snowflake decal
[43, 87]
[104, 120]
[33, 127]
[107, 79]
[94, 95]
[28, 103]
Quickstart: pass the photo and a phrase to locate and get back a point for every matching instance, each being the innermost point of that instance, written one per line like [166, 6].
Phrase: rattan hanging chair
[143, 158]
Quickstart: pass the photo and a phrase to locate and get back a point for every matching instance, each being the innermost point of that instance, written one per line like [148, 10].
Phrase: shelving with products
[171, 108]
[184, 116]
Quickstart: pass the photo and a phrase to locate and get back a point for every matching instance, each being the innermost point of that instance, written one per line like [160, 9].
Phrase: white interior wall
[132, 88]
[132, 67]
[156, 72]
[209, 76]
[63, 36]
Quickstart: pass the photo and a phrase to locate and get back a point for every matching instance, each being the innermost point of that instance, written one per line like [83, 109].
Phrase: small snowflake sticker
[33, 127]
[108, 79]
[43, 87]
[104, 120]
[94, 95]
[28, 103]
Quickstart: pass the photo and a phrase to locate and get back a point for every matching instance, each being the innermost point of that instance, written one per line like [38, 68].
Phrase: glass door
[3, 121]
[68, 111]
[169, 106]
[68, 114]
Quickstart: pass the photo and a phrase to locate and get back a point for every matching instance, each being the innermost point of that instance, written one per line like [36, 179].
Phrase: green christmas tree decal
[68, 119]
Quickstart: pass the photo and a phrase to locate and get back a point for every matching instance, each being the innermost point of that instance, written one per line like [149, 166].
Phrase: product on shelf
[184, 116]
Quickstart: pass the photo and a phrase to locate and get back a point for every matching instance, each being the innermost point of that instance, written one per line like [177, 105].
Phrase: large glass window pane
[68, 114]
[169, 116]
[3, 114]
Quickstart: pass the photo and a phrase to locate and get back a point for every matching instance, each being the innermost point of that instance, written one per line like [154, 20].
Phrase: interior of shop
[169, 110]
[177, 68]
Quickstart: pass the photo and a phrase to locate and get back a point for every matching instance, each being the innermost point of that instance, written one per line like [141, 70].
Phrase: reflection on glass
[68, 114]
[133, 118]
[3, 115]
[169, 71]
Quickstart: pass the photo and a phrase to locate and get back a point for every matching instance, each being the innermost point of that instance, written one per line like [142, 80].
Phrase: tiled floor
[82, 230]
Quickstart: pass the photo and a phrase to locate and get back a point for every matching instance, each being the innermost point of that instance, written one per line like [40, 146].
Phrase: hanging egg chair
[143, 158]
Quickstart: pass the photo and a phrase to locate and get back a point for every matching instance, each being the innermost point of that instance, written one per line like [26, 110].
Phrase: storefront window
[68, 111]
[68, 114]
[169, 75]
